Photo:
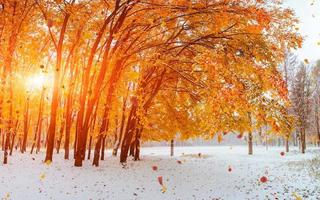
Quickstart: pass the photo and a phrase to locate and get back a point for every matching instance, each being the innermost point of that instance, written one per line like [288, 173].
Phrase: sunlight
[37, 81]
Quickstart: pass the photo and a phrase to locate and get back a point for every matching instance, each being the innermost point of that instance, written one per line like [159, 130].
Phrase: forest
[81, 76]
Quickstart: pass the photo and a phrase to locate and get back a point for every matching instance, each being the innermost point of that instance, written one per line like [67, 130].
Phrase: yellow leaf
[163, 189]
[48, 162]
[42, 176]
[6, 196]
[296, 196]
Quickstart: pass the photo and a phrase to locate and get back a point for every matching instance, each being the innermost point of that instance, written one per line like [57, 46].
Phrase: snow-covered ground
[205, 177]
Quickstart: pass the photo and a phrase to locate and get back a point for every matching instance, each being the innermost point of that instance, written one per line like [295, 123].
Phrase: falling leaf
[229, 169]
[179, 162]
[306, 61]
[282, 153]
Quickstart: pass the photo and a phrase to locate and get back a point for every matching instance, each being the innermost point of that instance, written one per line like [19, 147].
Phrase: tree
[301, 98]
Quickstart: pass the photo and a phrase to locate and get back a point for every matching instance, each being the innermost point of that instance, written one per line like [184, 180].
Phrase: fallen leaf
[296, 196]
[160, 180]
[263, 179]
[154, 168]
[42, 176]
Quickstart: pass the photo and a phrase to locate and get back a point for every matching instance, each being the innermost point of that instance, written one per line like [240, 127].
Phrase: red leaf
[160, 180]
[282, 153]
[263, 179]
[154, 168]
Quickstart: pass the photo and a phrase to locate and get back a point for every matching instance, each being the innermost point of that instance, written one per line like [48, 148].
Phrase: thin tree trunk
[25, 127]
[97, 151]
[123, 119]
[37, 136]
[102, 147]
[172, 147]
[304, 141]
[89, 147]
[103, 129]
[317, 122]
[132, 147]
[55, 94]
[250, 147]
[60, 136]
[137, 144]
[6, 146]
[129, 132]
[287, 144]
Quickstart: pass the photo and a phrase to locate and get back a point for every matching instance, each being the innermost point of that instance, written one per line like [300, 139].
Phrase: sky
[308, 12]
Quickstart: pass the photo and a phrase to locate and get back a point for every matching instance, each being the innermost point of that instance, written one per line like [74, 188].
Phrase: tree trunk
[12, 144]
[123, 119]
[13, 137]
[302, 140]
[129, 132]
[60, 136]
[84, 90]
[55, 94]
[103, 128]
[25, 126]
[97, 151]
[6, 146]
[172, 147]
[250, 147]
[132, 147]
[67, 136]
[89, 147]
[317, 123]
[137, 144]
[103, 147]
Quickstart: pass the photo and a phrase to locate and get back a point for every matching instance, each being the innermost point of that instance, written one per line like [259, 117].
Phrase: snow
[204, 177]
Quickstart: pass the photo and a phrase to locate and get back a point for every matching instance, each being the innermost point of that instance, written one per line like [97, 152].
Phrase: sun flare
[37, 82]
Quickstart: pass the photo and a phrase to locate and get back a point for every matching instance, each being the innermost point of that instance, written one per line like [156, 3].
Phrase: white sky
[309, 16]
